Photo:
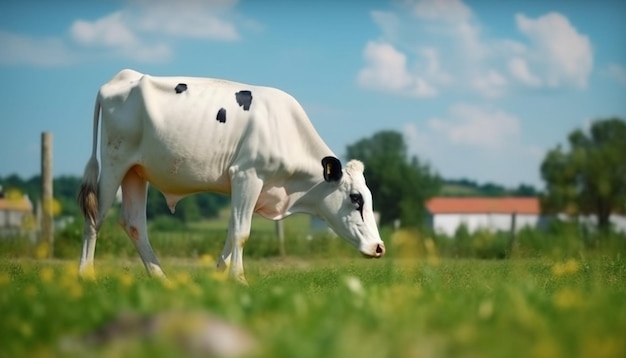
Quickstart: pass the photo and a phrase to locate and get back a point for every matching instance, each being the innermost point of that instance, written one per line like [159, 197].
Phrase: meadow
[323, 300]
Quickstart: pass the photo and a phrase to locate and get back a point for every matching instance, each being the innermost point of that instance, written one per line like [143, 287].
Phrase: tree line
[588, 177]
[192, 208]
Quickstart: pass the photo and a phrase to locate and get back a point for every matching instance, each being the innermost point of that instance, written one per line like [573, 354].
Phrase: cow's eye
[357, 199]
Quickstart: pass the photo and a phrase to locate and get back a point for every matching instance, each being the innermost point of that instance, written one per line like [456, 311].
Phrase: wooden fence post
[513, 237]
[47, 225]
[280, 233]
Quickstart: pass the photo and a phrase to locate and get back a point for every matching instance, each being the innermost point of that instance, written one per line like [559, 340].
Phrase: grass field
[339, 307]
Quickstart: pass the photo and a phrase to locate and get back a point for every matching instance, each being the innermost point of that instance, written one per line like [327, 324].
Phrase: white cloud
[387, 71]
[142, 30]
[27, 50]
[490, 84]
[520, 71]
[483, 141]
[447, 10]
[454, 19]
[563, 55]
[552, 53]
[477, 127]
[616, 72]
[114, 33]
[432, 69]
[194, 19]
[110, 30]
[389, 23]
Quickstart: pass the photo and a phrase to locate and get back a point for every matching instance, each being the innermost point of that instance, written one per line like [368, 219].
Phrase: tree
[194, 207]
[400, 185]
[590, 178]
[65, 189]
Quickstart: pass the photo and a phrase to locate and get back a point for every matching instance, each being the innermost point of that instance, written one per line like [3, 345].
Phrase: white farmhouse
[447, 214]
[13, 212]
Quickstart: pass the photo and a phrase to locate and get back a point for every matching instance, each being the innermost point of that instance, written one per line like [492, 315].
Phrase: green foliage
[65, 189]
[328, 308]
[172, 238]
[467, 187]
[400, 185]
[32, 187]
[189, 209]
[482, 244]
[166, 224]
[589, 178]
[559, 240]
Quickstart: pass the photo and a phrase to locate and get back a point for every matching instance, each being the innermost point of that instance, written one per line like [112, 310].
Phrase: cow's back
[183, 133]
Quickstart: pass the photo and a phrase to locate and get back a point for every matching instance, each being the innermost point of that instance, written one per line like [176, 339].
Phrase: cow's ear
[332, 169]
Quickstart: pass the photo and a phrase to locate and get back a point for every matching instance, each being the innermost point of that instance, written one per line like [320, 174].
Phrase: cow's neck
[292, 192]
[297, 192]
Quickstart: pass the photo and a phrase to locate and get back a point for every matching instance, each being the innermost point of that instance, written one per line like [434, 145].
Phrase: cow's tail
[88, 194]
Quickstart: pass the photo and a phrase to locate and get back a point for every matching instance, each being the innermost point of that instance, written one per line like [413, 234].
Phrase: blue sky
[480, 89]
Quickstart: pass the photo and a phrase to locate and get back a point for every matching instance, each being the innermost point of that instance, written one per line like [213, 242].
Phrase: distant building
[618, 222]
[13, 212]
[447, 214]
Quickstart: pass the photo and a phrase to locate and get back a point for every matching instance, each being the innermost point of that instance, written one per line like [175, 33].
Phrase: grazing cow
[186, 135]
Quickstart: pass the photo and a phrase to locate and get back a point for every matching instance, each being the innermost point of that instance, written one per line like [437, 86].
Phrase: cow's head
[348, 206]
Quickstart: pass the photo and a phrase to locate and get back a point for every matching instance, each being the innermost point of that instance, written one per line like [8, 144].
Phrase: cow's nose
[380, 250]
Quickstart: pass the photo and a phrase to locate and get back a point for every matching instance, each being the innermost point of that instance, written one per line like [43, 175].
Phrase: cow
[186, 135]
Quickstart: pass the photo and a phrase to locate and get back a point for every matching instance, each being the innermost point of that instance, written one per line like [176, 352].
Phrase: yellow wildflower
[42, 250]
[219, 275]
[30, 291]
[568, 298]
[89, 274]
[46, 274]
[431, 251]
[70, 269]
[195, 289]
[25, 329]
[183, 278]
[169, 284]
[546, 347]
[601, 347]
[207, 260]
[125, 279]
[75, 291]
[568, 267]
[5, 279]
[485, 310]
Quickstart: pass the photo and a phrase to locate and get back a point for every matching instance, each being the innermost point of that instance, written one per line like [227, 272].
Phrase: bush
[172, 238]
[166, 223]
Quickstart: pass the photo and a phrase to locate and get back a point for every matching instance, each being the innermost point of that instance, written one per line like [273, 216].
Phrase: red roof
[475, 205]
[21, 204]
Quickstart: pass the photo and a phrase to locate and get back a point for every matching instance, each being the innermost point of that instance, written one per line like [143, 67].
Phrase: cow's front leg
[246, 188]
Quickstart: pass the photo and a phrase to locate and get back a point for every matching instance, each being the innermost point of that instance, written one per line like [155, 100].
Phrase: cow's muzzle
[376, 251]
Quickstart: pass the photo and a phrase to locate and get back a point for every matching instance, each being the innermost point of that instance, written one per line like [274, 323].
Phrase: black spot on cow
[221, 115]
[244, 99]
[180, 88]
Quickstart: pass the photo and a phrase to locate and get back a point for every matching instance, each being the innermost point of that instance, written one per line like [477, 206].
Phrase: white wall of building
[617, 221]
[449, 223]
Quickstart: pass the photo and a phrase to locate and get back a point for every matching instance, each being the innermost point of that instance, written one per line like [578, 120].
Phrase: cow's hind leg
[134, 195]
[103, 198]
[246, 187]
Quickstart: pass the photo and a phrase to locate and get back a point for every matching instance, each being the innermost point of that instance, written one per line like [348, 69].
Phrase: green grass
[339, 307]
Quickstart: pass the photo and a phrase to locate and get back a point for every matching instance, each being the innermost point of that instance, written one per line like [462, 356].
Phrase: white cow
[186, 135]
